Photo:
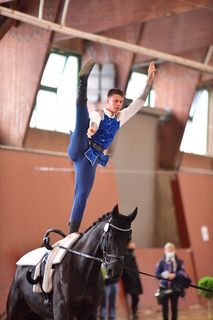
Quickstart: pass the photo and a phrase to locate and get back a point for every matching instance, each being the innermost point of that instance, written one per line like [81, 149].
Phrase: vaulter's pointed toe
[87, 68]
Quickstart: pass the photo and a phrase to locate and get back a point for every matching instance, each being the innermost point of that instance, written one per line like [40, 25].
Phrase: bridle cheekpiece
[107, 255]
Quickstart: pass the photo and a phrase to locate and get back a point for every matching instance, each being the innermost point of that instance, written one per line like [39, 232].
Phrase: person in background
[131, 281]
[93, 135]
[108, 301]
[170, 267]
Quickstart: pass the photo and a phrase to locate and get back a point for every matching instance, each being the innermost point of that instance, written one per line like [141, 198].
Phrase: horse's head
[117, 234]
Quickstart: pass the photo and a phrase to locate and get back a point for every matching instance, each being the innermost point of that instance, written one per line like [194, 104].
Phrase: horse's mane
[104, 216]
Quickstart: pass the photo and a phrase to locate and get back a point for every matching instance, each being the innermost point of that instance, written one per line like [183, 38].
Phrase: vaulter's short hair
[113, 91]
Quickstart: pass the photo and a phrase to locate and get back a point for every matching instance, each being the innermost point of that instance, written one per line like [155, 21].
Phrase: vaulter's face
[114, 103]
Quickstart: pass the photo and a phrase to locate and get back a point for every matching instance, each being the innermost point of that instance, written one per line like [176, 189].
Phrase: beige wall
[37, 139]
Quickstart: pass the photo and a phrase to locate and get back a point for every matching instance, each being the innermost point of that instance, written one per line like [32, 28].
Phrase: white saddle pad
[33, 258]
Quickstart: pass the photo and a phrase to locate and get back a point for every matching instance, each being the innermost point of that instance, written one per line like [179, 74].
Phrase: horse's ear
[132, 215]
[115, 211]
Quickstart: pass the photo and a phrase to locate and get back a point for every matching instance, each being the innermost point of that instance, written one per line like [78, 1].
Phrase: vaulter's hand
[91, 132]
[151, 72]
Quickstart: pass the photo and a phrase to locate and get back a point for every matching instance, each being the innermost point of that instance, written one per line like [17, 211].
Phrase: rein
[175, 281]
[82, 254]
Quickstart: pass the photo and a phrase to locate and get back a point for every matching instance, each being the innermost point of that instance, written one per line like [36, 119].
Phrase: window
[136, 84]
[196, 131]
[56, 98]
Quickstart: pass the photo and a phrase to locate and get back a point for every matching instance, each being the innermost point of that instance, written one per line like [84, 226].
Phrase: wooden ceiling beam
[177, 35]
[104, 40]
[3, 1]
[88, 17]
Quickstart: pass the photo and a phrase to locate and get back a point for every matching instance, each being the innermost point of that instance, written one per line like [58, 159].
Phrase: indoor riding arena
[160, 161]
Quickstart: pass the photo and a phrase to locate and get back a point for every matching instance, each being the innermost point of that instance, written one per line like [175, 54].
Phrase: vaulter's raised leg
[79, 141]
[78, 145]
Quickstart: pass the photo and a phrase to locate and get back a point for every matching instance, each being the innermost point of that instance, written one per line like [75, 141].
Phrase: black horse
[77, 280]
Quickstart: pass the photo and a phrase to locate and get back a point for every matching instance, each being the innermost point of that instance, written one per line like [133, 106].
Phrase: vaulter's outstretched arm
[127, 113]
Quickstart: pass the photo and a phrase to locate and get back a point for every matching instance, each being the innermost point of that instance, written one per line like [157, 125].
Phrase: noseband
[105, 238]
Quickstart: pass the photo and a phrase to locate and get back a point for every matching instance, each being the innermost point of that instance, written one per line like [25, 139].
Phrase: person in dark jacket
[131, 280]
[171, 268]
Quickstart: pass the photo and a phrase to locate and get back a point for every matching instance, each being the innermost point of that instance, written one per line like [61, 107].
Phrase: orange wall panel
[197, 198]
[36, 194]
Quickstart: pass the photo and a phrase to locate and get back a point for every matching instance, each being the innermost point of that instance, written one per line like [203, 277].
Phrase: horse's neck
[89, 244]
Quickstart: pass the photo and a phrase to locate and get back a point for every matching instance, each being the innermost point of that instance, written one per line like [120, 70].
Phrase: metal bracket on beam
[64, 12]
[208, 55]
[41, 9]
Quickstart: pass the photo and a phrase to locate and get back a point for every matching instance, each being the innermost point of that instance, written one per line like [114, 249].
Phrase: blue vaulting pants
[85, 172]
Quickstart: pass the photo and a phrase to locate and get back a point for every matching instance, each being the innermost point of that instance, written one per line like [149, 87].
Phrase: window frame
[50, 89]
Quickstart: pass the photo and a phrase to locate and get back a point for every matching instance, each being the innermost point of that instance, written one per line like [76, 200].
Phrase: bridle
[104, 246]
[105, 238]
